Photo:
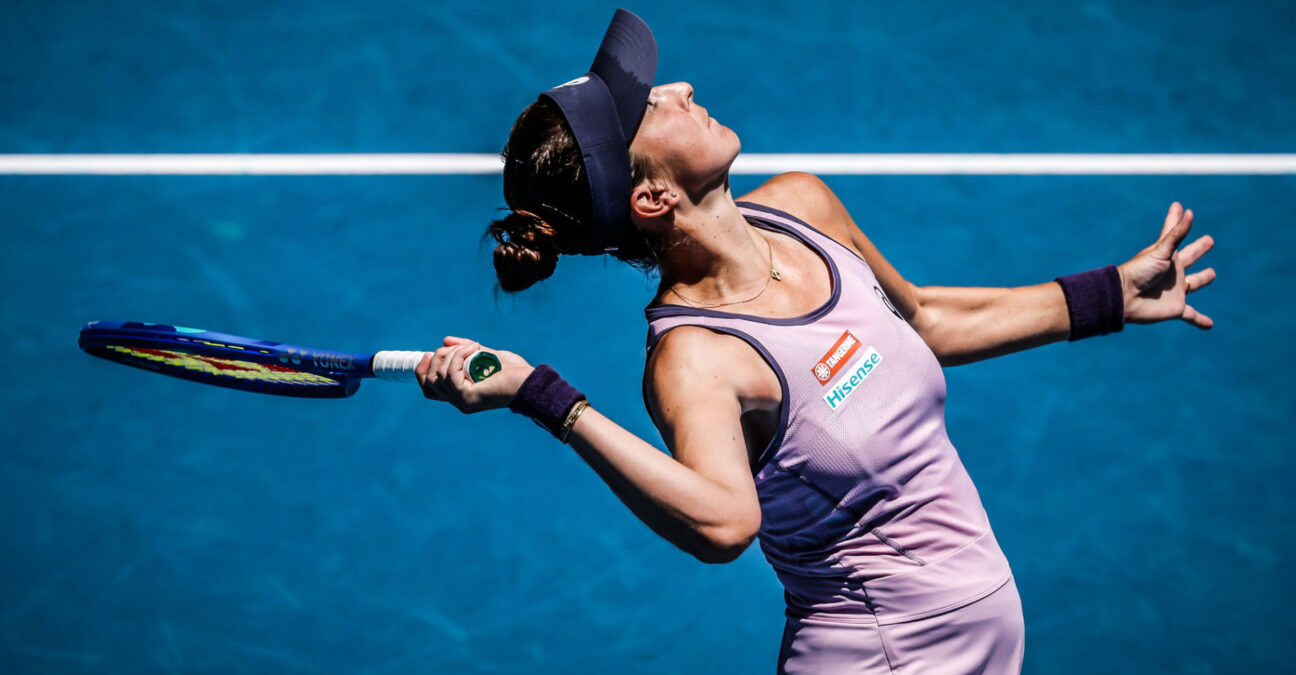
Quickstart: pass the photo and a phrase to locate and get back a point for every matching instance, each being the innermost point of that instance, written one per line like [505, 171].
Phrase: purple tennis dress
[867, 515]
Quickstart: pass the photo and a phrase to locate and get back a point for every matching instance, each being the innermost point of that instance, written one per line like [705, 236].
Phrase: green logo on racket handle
[482, 365]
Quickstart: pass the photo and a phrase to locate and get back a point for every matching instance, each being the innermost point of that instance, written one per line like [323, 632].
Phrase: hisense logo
[854, 376]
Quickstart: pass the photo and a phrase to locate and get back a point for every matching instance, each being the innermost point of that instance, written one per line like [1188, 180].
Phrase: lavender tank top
[867, 513]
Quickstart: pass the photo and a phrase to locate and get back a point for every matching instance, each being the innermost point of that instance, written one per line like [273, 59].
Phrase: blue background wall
[1139, 483]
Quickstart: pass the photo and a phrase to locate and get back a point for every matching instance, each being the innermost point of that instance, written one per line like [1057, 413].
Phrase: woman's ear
[650, 200]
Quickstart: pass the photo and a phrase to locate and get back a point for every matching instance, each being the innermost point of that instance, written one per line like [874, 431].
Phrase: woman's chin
[737, 149]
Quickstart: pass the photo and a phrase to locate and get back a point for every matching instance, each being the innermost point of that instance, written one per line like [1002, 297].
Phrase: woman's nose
[680, 92]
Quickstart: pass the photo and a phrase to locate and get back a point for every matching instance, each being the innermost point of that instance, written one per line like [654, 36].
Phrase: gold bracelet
[571, 419]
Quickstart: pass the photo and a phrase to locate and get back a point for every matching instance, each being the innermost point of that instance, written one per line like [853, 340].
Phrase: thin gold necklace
[773, 274]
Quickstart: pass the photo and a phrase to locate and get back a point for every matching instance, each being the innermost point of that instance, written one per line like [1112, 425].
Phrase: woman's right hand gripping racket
[470, 377]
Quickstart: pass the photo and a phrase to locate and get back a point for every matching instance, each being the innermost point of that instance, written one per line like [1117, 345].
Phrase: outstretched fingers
[1172, 217]
[1172, 234]
[1199, 280]
[1196, 318]
[1189, 255]
[1194, 251]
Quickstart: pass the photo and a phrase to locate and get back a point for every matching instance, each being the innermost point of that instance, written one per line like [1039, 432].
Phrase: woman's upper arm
[807, 197]
[695, 399]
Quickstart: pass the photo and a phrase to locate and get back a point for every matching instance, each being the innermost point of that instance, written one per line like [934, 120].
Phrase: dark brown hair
[545, 182]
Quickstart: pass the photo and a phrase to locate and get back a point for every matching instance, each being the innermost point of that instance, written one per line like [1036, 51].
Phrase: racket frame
[346, 369]
[122, 341]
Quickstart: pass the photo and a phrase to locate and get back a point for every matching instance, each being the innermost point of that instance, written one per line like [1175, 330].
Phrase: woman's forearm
[962, 325]
[693, 512]
[704, 503]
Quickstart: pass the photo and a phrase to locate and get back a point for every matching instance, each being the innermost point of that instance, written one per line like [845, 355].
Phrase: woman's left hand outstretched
[441, 376]
[1156, 282]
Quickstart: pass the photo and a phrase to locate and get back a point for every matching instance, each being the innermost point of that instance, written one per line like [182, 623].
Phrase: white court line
[750, 164]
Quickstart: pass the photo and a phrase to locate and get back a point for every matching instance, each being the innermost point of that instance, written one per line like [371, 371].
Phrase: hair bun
[526, 250]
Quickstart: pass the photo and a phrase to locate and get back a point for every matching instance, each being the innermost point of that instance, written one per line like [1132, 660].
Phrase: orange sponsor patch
[836, 358]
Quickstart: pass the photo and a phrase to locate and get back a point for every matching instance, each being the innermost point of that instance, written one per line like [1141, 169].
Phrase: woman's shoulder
[801, 194]
[730, 367]
[697, 351]
[807, 197]
[690, 347]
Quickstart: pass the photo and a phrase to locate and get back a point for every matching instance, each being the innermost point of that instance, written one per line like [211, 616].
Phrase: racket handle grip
[395, 366]
[398, 366]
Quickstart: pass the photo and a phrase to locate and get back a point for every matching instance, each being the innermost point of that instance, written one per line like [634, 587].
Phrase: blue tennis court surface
[1139, 484]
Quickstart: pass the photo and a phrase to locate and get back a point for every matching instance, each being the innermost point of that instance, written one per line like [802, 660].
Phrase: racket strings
[220, 367]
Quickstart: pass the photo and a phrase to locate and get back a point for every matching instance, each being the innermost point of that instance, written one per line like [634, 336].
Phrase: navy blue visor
[603, 109]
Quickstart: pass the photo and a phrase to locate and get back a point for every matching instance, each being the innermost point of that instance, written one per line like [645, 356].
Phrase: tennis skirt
[986, 637]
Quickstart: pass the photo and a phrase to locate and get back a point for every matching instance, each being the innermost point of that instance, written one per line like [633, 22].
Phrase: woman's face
[681, 137]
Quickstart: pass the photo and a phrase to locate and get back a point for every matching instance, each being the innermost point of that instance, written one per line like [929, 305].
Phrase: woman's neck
[713, 255]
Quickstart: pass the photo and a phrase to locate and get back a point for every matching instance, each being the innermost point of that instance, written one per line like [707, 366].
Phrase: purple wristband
[546, 398]
[1095, 302]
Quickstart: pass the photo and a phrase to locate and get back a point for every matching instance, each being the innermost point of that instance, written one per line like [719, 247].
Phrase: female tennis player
[794, 374]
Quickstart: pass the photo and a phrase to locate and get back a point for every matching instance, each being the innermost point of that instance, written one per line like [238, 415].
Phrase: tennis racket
[255, 365]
